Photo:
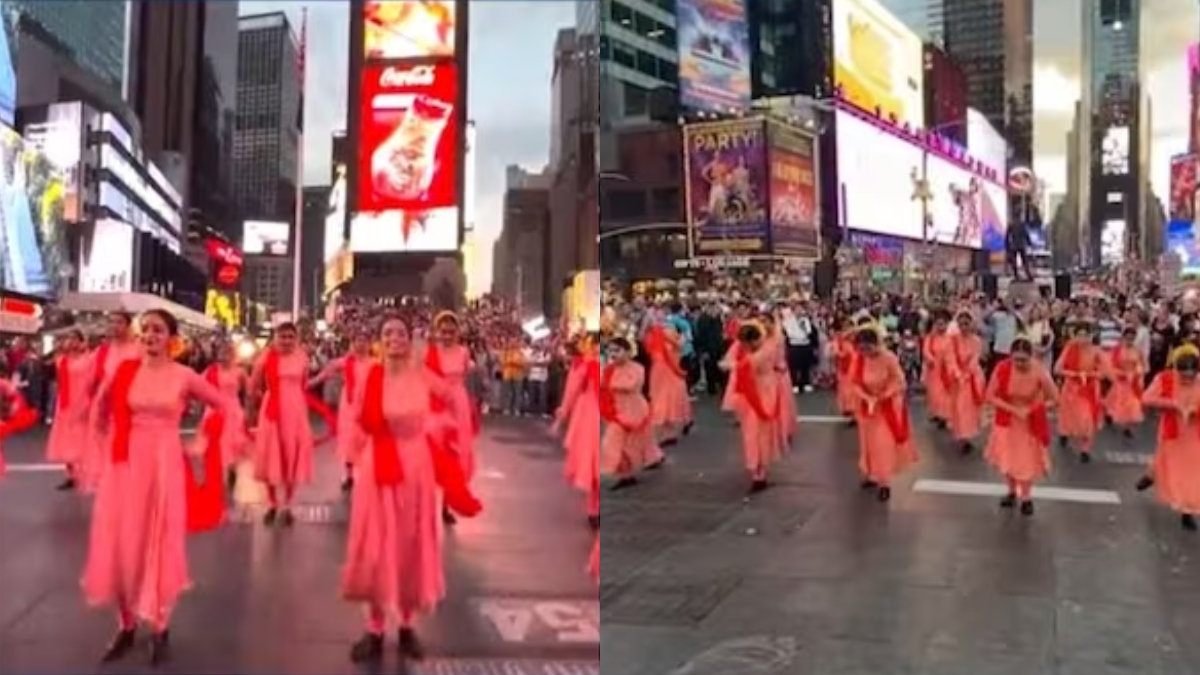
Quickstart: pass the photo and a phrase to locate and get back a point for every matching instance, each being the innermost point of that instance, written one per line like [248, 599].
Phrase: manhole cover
[666, 601]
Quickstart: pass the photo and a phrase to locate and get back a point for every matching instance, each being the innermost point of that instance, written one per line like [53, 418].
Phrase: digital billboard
[1181, 240]
[34, 251]
[428, 231]
[1112, 242]
[408, 137]
[793, 192]
[985, 144]
[404, 29]
[877, 61]
[945, 88]
[338, 262]
[726, 179]
[1183, 188]
[714, 55]
[225, 264]
[106, 259]
[260, 237]
[875, 170]
[965, 210]
[60, 141]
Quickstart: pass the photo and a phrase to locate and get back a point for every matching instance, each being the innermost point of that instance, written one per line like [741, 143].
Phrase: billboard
[875, 170]
[106, 258]
[34, 251]
[261, 237]
[224, 306]
[878, 61]
[792, 175]
[726, 179]
[1183, 188]
[403, 29]
[714, 55]
[405, 231]
[1193, 74]
[225, 264]
[60, 141]
[945, 95]
[985, 144]
[408, 137]
[1181, 240]
[337, 260]
[965, 210]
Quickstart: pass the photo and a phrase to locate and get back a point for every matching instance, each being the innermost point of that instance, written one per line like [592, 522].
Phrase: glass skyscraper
[92, 33]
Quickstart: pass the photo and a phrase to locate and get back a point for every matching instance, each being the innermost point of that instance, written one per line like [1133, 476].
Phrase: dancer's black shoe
[1027, 507]
[410, 645]
[66, 486]
[160, 648]
[1009, 501]
[120, 646]
[1188, 522]
[368, 649]
[885, 493]
[1144, 483]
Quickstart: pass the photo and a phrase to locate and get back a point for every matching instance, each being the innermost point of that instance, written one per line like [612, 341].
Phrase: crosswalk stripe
[982, 489]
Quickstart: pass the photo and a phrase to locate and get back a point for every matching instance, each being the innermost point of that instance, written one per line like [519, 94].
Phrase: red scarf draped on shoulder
[1090, 386]
[206, 499]
[892, 410]
[389, 471]
[965, 365]
[350, 375]
[1038, 419]
[122, 413]
[63, 376]
[1118, 365]
[1169, 424]
[273, 402]
[608, 402]
[100, 363]
[433, 362]
[20, 417]
[747, 388]
[663, 352]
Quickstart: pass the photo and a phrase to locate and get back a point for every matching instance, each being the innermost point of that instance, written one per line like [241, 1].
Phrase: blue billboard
[714, 55]
[1181, 240]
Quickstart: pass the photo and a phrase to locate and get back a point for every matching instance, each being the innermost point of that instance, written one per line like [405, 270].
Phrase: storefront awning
[133, 303]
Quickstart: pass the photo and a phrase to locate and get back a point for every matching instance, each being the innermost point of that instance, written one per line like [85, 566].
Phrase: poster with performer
[727, 186]
[791, 154]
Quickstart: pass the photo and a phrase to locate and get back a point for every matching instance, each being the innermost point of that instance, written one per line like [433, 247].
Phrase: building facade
[312, 263]
[521, 254]
[92, 34]
[637, 56]
[789, 48]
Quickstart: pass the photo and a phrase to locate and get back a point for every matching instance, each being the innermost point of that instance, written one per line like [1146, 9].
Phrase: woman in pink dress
[670, 407]
[353, 368]
[884, 430]
[1021, 392]
[1126, 373]
[627, 444]
[448, 359]
[69, 434]
[20, 415]
[1080, 412]
[1176, 473]
[967, 383]
[580, 410]
[120, 347]
[754, 363]
[934, 358]
[788, 419]
[224, 428]
[844, 354]
[394, 549]
[283, 445]
[137, 557]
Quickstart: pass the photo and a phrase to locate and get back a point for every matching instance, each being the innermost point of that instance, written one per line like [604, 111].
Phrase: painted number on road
[526, 621]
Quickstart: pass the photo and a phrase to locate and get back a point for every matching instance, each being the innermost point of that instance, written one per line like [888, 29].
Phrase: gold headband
[1183, 351]
[762, 329]
[445, 315]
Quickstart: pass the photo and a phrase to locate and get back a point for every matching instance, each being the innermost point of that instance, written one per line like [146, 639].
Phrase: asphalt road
[267, 600]
[815, 577]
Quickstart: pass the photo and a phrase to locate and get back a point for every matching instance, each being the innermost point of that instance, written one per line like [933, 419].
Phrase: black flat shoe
[368, 649]
[1188, 522]
[1063, 442]
[448, 517]
[687, 428]
[1027, 508]
[622, 484]
[1085, 458]
[160, 644]
[270, 516]
[885, 493]
[869, 485]
[1144, 483]
[967, 447]
[669, 443]
[758, 486]
[655, 466]
[287, 518]
[409, 645]
[66, 486]
[1009, 501]
[120, 646]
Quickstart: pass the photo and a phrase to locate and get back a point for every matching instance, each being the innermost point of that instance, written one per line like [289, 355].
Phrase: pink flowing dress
[137, 556]
[98, 447]
[763, 441]
[1014, 450]
[1079, 410]
[845, 352]
[394, 550]
[882, 454]
[623, 451]
[350, 436]
[284, 449]
[1177, 460]
[456, 363]
[969, 386]
[788, 417]
[70, 433]
[582, 439]
[1124, 400]
[235, 443]
[935, 355]
[670, 407]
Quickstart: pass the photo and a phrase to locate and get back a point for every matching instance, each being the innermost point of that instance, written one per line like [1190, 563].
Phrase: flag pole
[298, 216]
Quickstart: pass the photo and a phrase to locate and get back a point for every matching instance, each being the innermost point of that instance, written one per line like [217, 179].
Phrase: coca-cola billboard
[225, 264]
[408, 137]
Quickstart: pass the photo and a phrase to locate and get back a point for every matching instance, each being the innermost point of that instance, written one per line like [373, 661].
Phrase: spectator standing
[512, 374]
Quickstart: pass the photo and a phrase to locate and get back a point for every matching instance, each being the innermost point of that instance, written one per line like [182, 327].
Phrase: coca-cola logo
[224, 253]
[416, 76]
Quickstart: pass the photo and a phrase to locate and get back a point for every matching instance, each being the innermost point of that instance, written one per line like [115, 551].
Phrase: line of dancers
[405, 431]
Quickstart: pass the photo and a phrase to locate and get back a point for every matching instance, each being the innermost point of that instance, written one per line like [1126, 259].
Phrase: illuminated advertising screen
[877, 61]
[403, 29]
[965, 210]
[1183, 188]
[338, 261]
[34, 251]
[60, 140]
[1112, 242]
[726, 178]
[8, 69]
[946, 94]
[1114, 151]
[223, 306]
[793, 193]
[714, 55]
[261, 237]
[875, 170]
[985, 144]
[1181, 240]
[408, 231]
[106, 261]
[225, 264]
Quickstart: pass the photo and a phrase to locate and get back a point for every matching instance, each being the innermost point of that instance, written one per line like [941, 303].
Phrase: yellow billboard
[224, 306]
[877, 61]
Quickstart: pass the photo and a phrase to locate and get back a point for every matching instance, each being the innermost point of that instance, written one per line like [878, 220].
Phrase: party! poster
[726, 180]
[793, 193]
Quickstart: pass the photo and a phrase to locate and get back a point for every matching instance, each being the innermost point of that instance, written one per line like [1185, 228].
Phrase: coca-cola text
[415, 76]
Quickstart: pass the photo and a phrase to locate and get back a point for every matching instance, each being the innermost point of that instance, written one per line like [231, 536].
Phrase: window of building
[665, 202]
[637, 100]
[623, 204]
[620, 14]
[624, 54]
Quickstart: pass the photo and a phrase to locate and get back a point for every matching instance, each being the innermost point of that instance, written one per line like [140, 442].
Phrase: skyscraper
[789, 46]
[92, 34]
[637, 55]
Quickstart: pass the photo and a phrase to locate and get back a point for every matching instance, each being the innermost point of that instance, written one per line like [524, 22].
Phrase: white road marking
[980, 489]
[492, 474]
[822, 419]
[35, 468]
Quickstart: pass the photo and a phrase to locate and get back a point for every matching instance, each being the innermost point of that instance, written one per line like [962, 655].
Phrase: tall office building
[637, 55]
[789, 48]
[265, 144]
[93, 34]
[210, 178]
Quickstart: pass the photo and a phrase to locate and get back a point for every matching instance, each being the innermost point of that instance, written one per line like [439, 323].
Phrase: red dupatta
[122, 413]
[350, 375]
[101, 362]
[891, 408]
[663, 352]
[1118, 366]
[747, 388]
[206, 499]
[1038, 418]
[20, 418]
[63, 375]
[273, 401]
[433, 361]
[964, 364]
[608, 403]
[1072, 360]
